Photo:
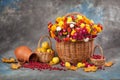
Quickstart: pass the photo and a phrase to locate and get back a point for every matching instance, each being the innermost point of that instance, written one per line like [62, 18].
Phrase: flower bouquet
[74, 34]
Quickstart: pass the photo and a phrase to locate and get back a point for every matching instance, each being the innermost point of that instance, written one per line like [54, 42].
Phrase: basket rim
[77, 40]
[45, 52]
[73, 13]
[98, 59]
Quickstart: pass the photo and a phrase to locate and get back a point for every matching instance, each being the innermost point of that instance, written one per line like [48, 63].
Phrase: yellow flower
[53, 28]
[58, 19]
[76, 20]
[82, 25]
[61, 23]
[79, 17]
[88, 29]
[94, 26]
[99, 29]
[69, 19]
[73, 31]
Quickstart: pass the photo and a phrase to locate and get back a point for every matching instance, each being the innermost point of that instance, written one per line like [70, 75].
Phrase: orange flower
[52, 34]
[58, 19]
[53, 28]
[99, 29]
[94, 32]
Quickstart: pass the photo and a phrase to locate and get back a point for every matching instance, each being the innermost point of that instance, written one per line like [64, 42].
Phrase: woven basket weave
[45, 56]
[74, 52]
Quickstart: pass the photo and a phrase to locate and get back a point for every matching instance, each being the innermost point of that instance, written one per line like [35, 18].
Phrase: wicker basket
[45, 57]
[74, 52]
[98, 62]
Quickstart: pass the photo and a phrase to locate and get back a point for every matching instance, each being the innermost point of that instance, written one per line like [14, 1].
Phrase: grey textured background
[24, 23]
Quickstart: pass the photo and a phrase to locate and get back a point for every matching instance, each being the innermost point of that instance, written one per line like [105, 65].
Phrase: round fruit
[67, 64]
[45, 45]
[43, 50]
[49, 50]
[79, 65]
[55, 60]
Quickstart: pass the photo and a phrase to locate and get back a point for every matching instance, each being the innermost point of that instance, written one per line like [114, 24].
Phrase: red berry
[62, 64]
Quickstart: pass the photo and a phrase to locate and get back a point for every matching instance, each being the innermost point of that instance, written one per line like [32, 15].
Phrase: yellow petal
[73, 31]
[79, 17]
[88, 29]
[94, 26]
[82, 25]
[69, 19]
[61, 23]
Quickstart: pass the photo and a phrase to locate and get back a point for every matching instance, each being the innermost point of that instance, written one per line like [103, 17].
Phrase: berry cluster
[97, 56]
[41, 66]
[74, 28]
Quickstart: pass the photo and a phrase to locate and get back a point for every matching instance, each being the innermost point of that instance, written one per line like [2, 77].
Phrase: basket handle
[101, 50]
[41, 38]
[73, 13]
